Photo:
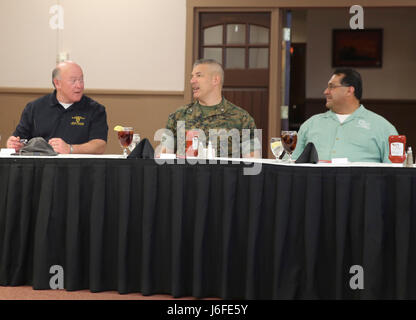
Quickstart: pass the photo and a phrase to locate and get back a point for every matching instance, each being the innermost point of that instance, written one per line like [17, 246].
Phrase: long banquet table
[208, 230]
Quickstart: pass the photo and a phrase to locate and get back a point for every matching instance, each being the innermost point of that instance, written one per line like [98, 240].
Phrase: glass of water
[276, 147]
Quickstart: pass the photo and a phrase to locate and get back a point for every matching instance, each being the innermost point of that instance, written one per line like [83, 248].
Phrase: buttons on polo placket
[190, 111]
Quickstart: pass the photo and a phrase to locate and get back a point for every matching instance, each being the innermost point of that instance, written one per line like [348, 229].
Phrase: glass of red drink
[289, 140]
[125, 137]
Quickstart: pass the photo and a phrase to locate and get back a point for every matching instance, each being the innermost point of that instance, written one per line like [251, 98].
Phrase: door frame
[275, 8]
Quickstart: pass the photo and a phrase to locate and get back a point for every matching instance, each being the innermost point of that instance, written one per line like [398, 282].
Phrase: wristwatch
[71, 149]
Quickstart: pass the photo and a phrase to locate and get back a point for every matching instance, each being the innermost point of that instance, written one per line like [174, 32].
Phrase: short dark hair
[217, 66]
[351, 78]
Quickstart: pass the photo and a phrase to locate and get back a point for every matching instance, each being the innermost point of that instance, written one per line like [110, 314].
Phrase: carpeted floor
[27, 293]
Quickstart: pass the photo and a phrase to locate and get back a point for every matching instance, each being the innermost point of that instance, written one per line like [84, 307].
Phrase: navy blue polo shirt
[46, 117]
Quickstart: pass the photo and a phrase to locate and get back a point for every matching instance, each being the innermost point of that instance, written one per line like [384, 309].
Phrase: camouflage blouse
[226, 116]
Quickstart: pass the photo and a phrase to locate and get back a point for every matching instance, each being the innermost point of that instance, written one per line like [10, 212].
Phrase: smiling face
[336, 93]
[70, 83]
[206, 84]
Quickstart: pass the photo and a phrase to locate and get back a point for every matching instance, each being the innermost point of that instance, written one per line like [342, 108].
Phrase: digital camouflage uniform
[222, 116]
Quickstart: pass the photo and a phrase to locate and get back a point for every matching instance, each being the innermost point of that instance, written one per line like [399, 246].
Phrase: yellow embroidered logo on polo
[77, 121]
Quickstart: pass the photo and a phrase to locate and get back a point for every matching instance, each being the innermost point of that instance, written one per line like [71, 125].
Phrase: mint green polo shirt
[362, 137]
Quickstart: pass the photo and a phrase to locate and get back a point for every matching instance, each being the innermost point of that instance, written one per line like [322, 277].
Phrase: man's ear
[216, 79]
[351, 90]
[56, 82]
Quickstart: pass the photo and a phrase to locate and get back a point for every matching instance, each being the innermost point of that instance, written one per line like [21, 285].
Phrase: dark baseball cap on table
[309, 154]
[36, 147]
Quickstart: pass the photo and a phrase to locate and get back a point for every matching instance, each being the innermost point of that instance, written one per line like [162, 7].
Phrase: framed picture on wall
[357, 48]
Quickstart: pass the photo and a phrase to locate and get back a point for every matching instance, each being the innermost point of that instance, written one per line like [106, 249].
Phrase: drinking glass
[276, 147]
[289, 140]
[125, 137]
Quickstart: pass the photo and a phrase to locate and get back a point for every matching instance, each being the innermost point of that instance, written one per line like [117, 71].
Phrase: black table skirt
[208, 230]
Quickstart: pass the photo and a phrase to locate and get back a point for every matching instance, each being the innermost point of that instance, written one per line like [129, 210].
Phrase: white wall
[120, 44]
[396, 78]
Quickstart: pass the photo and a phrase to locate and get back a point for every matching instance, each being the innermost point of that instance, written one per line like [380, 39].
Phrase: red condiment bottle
[192, 143]
[397, 149]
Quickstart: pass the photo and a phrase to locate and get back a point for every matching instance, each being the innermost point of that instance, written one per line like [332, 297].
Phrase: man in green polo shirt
[220, 121]
[347, 130]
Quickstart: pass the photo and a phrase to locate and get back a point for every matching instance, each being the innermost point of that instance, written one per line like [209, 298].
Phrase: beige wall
[136, 45]
[121, 44]
[145, 112]
[395, 80]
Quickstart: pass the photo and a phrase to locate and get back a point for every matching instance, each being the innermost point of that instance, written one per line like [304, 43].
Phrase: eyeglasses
[333, 86]
[74, 81]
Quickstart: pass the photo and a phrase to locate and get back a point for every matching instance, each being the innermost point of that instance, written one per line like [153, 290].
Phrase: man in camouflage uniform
[216, 117]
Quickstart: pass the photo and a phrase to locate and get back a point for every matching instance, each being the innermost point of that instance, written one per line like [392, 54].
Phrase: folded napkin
[309, 154]
[36, 147]
[143, 150]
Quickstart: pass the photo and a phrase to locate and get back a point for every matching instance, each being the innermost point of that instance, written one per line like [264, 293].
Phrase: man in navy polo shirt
[70, 121]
